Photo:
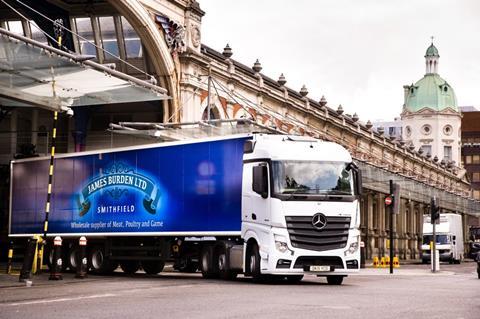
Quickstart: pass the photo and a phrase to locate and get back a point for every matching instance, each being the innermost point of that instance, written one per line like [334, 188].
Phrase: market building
[180, 79]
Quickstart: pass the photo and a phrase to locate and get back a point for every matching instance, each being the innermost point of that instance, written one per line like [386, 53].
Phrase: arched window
[214, 113]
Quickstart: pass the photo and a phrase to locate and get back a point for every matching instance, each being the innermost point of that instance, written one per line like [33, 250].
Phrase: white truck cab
[300, 208]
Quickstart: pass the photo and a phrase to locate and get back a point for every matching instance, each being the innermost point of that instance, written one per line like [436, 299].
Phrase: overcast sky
[357, 53]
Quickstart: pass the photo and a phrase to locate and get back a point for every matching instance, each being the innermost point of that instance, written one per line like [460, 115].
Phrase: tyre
[253, 262]
[208, 266]
[99, 263]
[221, 260]
[153, 267]
[72, 259]
[130, 266]
[334, 280]
[294, 278]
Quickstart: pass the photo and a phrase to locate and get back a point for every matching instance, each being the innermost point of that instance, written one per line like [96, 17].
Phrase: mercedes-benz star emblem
[319, 221]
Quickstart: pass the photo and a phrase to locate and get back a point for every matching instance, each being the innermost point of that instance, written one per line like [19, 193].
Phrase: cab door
[256, 194]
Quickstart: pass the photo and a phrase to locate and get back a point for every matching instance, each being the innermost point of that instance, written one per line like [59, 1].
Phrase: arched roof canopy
[155, 45]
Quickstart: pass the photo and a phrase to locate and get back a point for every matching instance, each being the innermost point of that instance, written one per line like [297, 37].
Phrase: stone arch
[215, 113]
[157, 49]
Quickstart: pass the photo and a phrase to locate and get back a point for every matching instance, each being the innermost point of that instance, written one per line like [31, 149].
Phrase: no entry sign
[388, 200]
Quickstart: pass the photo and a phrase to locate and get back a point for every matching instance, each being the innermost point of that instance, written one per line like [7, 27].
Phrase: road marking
[337, 307]
[43, 301]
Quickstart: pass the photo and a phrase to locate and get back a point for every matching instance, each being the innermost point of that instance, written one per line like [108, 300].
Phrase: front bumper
[296, 261]
[446, 256]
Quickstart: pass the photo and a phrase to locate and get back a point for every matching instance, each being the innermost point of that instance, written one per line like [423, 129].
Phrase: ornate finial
[257, 66]
[323, 101]
[282, 80]
[340, 109]
[369, 124]
[227, 51]
[355, 117]
[303, 91]
[432, 37]
[380, 130]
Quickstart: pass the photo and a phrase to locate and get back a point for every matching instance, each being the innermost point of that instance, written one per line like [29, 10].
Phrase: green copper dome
[431, 92]
[432, 51]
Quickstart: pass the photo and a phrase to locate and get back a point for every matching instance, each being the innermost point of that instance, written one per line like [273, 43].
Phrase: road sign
[388, 200]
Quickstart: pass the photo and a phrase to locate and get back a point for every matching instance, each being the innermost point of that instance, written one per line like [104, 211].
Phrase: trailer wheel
[72, 258]
[153, 267]
[221, 259]
[209, 267]
[130, 266]
[99, 263]
[253, 262]
[334, 280]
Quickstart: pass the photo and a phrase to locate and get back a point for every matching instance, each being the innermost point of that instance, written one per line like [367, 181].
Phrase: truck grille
[304, 235]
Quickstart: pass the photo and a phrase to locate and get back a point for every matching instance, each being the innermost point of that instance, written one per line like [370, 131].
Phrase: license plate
[320, 268]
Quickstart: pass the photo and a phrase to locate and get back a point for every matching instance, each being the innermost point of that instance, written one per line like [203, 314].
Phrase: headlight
[353, 247]
[280, 243]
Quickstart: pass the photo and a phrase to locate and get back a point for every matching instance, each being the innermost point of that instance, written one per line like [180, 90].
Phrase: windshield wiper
[295, 193]
[338, 192]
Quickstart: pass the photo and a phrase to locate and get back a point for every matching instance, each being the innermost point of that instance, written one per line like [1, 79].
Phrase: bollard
[387, 261]
[382, 263]
[38, 257]
[362, 254]
[10, 258]
[26, 272]
[41, 253]
[55, 271]
[396, 262]
[82, 258]
[376, 264]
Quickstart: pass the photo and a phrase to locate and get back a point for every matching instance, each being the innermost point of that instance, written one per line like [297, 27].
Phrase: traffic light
[434, 211]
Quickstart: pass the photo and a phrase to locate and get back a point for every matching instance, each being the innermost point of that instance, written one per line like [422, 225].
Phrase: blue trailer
[185, 202]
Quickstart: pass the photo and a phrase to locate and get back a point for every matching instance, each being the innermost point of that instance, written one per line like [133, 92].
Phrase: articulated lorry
[449, 243]
[256, 204]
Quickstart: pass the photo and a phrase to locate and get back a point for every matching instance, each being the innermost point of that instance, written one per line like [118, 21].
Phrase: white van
[449, 241]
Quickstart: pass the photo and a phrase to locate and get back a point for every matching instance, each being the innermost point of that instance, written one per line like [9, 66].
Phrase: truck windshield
[302, 178]
[441, 239]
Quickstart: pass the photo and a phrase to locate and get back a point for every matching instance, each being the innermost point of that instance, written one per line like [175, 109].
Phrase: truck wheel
[153, 267]
[253, 262]
[221, 259]
[130, 266]
[334, 280]
[294, 278]
[209, 267]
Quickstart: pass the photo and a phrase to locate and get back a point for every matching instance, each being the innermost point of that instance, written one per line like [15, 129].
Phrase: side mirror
[358, 182]
[260, 180]
[357, 176]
